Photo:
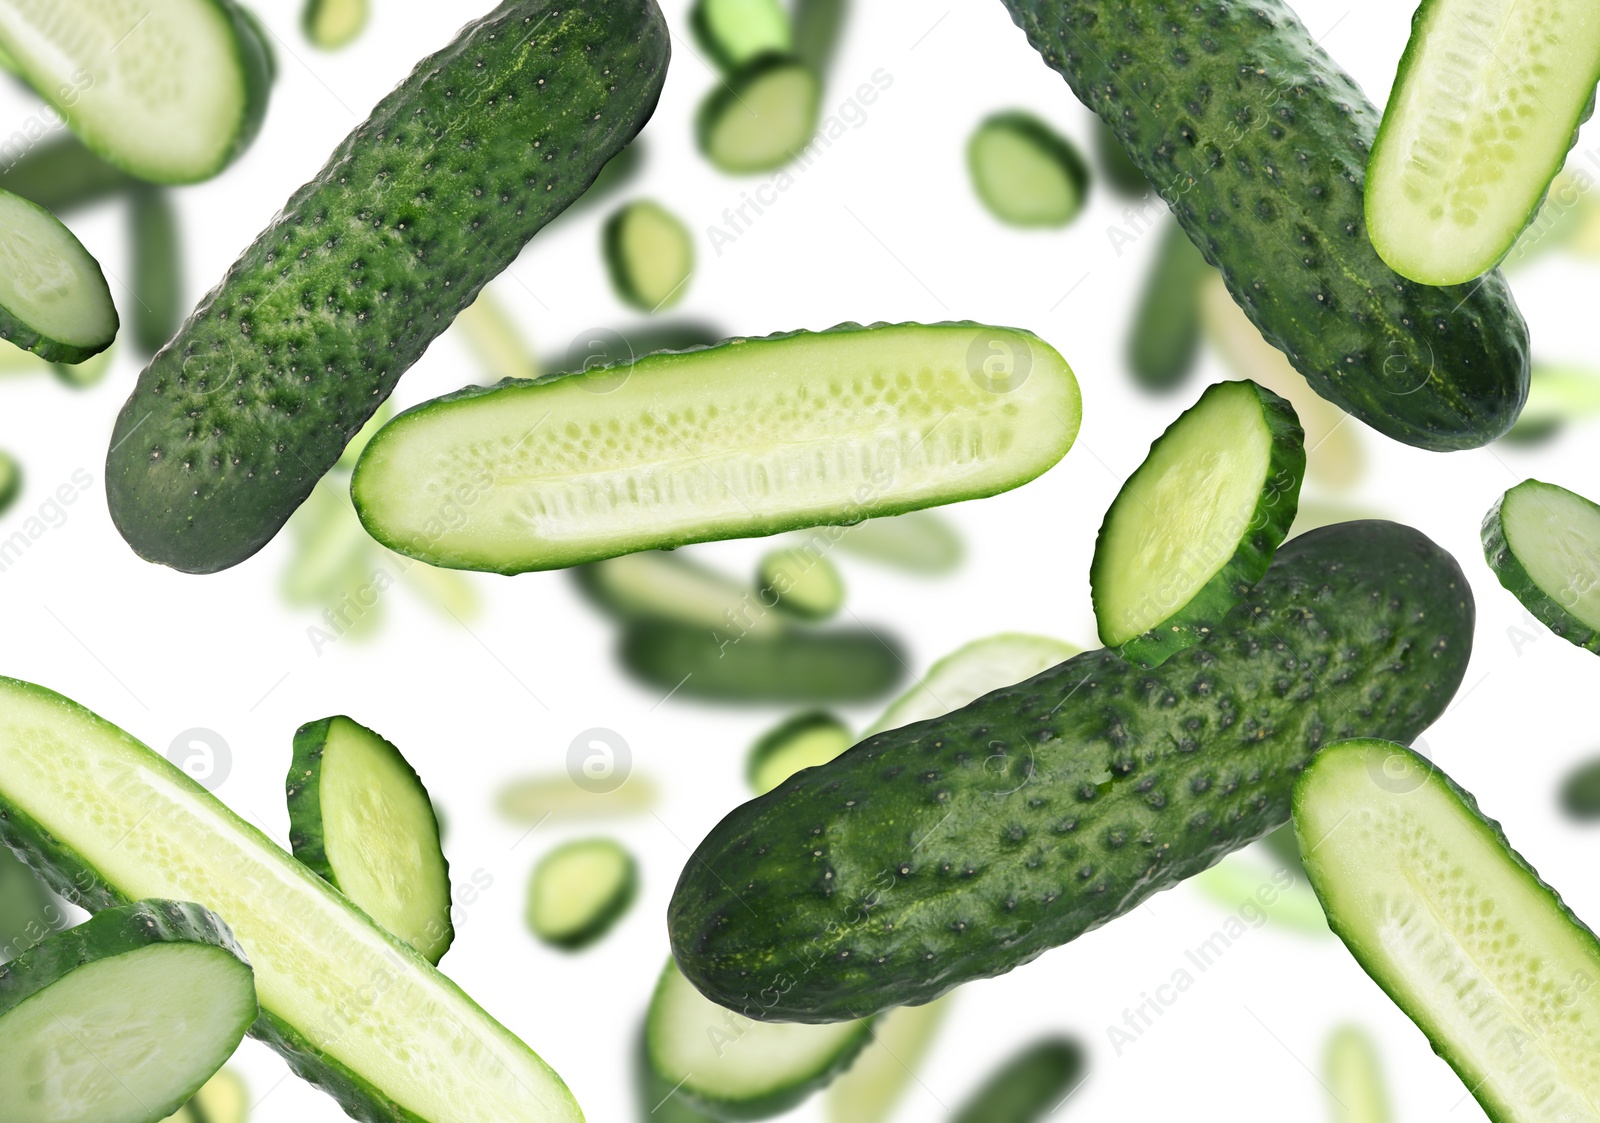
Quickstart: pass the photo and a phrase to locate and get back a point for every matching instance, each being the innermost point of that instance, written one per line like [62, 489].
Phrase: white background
[883, 227]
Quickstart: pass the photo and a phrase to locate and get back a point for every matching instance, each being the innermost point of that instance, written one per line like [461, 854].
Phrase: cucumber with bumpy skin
[54, 300]
[1353, 1076]
[233, 424]
[123, 1018]
[579, 891]
[649, 254]
[682, 447]
[1456, 927]
[962, 847]
[1029, 1086]
[804, 583]
[761, 116]
[1025, 172]
[733, 32]
[803, 741]
[157, 269]
[1543, 543]
[970, 672]
[1259, 142]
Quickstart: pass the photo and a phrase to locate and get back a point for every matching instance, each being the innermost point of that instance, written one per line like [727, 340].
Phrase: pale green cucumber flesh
[560, 797]
[116, 821]
[650, 255]
[1456, 927]
[331, 24]
[1025, 172]
[54, 300]
[872, 1087]
[1488, 102]
[654, 585]
[735, 31]
[803, 741]
[922, 542]
[580, 890]
[970, 672]
[748, 438]
[1543, 543]
[802, 582]
[761, 117]
[1353, 1073]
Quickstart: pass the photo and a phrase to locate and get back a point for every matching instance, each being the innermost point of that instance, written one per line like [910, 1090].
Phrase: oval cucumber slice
[733, 32]
[332, 24]
[801, 742]
[751, 437]
[579, 891]
[1025, 172]
[1486, 105]
[1030, 1086]
[1196, 526]
[1354, 1077]
[802, 581]
[54, 300]
[970, 672]
[761, 116]
[123, 1018]
[1456, 927]
[1543, 543]
[649, 254]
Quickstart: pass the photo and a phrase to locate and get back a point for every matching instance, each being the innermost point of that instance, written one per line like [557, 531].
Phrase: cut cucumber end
[733, 32]
[1025, 172]
[761, 117]
[801, 742]
[54, 300]
[650, 256]
[1543, 543]
[803, 582]
[579, 891]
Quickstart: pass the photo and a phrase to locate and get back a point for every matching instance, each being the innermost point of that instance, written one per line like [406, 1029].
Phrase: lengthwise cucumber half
[961, 847]
[1258, 142]
[750, 437]
[239, 416]
[349, 1006]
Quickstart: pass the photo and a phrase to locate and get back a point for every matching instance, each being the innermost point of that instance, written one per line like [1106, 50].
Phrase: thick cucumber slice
[560, 798]
[158, 305]
[658, 1100]
[761, 116]
[360, 819]
[818, 27]
[579, 891]
[332, 24]
[1487, 104]
[922, 542]
[870, 1089]
[64, 174]
[1196, 526]
[803, 741]
[735, 1067]
[121, 1019]
[1165, 343]
[1456, 928]
[10, 480]
[1025, 172]
[650, 255]
[1030, 1086]
[970, 672]
[1543, 543]
[752, 437]
[733, 32]
[111, 821]
[1353, 1075]
[168, 90]
[54, 300]
[803, 582]
[652, 585]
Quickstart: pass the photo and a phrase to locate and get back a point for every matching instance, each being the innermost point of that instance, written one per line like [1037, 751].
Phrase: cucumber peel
[1543, 543]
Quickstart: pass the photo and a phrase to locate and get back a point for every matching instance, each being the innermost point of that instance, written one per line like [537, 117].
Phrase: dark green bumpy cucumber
[1259, 143]
[235, 421]
[961, 847]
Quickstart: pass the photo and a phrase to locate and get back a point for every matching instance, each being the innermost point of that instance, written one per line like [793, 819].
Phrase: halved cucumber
[10, 480]
[579, 891]
[1025, 172]
[559, 798]
[169, 90]
[123, 1018]
[735, 1067]
[54, 300]
[349, 1006]
[800, 742]
[761, 116]
[331, 24]
[970, 672]
[1196, 526]
[158, 305]
[652, 585]
[649, 254]
[733, 32]
[1487, 104]
[1353, 1076]
[802, 581]
[1165, 342]
[871, 1088]
[1456, 927]
[1543, 543]
[360, 819]
[1029, 1086]
[922, 542]
[751, 437]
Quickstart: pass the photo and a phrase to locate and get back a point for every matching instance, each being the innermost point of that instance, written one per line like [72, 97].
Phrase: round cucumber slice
[1543, 543]
[1196, 526]
[332, 24]
[1025, 172]
[123, 1018]
[761, 116]
[801, 742]
[970, 672]
[579, 891]
[1353, 1075]
[10, 480]
[733, 32]
[803, 582]
[54, 300]
[649, 254]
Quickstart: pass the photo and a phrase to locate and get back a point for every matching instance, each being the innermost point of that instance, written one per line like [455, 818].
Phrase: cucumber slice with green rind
[1029, 1086]
[735, 1067]
[1543, 543]
[733, 32]
[54, 300]
[1025, 172]
[360, 819]
[761, 117]
[579, 891]
[654, 585]
[332, 24]
[649, 254]
[802, 581]
[1353, 1074]
[1195, 527]
[1456, 927]
[1486, 106]
[970, 672]
[123, 1018]
[11, 479]
[803, 741]
[682, 447]
[658, 1100]
[158, 305]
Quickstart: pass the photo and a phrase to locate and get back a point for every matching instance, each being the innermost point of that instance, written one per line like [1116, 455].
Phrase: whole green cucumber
[1258, 141]
[239, 416]
[958, 848]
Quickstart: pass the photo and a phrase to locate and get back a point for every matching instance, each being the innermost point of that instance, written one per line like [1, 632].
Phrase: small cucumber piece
[735, 1067]
[649, 254]
[803, 741]
[1030, 1086]
[580, 467]
[333, 24]
[158, 305]
[1543, 543]
[64, 174]
[1580, 792]
[1196, 526]
[818, 27]
[171, 91]
[733, 32]
[1487, 103]
[494, 340]
[970, 672]
[579, 891]
[360, 819]
[1353, 1074]
[1456, 927]
[761, 116]
[653, 585]
[803, 582]
[1025, 172]
[922, 542]
[559, 798]
[1165, 343]
[54, 300]
[29, 912]
[11, 479]
[123, 1018]
[870, 1089]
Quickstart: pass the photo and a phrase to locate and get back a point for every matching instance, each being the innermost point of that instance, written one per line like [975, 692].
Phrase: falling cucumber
[11, 479]
[158, 306]
[649, 254]
[761, 116]
[334, 24]
[1030, 1086]
[1025, 172]
[733, 32]
[64, 174]
[818, 28]
[54, 300]
[1353, 1074]
[923, 543]
[579, 891]
[802, 582]
[970, 672]
[656, 585]
[560, 798]
[494, 340]
[803, 741]
[1164, 344]
[1543, 543]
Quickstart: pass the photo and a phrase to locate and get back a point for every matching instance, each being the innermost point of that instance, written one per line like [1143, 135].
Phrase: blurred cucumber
[1119, 171]
[607, 346]
[1353, 1076]
[1165, 344]
[1557, 396]
[1030, 1086]
[29, 911]
[803, 741]
[62, 175]
[558, 796]
[446, 589]
[732, 32]
[91, 372]
[804, 583]
[494, 340]
[654, 585]
[158, 305]
[658, 1100]
[10, 482]
[972, 671]
[872, 1087]
[921, 542]
[649, 255]
[1580, 792]
[333, 24]
[818, 30]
